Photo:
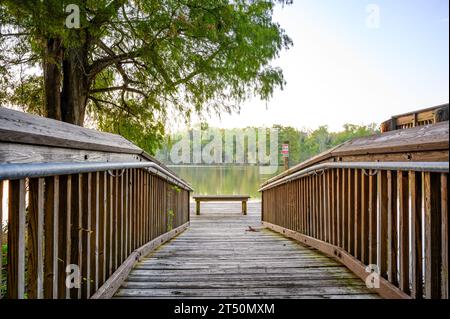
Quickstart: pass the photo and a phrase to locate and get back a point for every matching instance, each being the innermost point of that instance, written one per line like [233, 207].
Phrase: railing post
[197, 207]
[244, 207]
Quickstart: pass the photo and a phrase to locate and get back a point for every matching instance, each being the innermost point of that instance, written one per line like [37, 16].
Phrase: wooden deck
[217, 257]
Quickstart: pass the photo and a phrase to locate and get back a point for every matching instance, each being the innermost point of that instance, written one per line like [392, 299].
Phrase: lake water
[224, 180]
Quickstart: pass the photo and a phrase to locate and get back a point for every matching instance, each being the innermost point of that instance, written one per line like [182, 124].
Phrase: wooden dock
[219, 257]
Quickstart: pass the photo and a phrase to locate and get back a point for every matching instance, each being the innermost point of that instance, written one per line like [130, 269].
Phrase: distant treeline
[303, 144]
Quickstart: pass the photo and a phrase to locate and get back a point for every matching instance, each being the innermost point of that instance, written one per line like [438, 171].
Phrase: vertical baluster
[338, 207]
[345, 191]
[403, 195]
[382, 222]
[16, 240]
[333, 208]
[64, 233]
[120, 212]
[35, 269]
[102, 223]
[372, 219]
[95, 215]
[415, 194]
[328, 201]
[85, 253]
[126, 214]
[133, 210]
[351, 212]
[444, 233]
[357, 213]
[310, 210]
[365, 217]
[116, 213]
[321, 212]
[109, 223]
[392, 227]
[298, 207]
[432, 235]
[314, 205]
[77, 232]
[51, 206]
[138, 207]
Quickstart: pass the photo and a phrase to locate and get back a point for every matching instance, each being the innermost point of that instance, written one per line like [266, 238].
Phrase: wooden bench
[221, 198]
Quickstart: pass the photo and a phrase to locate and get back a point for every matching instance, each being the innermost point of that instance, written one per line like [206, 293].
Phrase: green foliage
[302, 144]
[145, 60]
[4, 249]
[170, 217]
[176, 188]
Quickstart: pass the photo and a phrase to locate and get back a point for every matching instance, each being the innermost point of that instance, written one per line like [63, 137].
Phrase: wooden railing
[92, 208]
[391, 216]
[422, 117]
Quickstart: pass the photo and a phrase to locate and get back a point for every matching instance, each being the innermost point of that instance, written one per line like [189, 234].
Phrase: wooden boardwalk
[217, 257]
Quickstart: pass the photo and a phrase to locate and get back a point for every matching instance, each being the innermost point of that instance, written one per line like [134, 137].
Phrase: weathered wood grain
[219, 256]
[19, 127]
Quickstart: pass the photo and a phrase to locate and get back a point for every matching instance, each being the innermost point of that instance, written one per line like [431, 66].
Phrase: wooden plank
[334, 209]
[102, 222]
[135, 209]
[415, 193]
[386, 290]
[403, 195]
[51, 224]
[20, 127]
[11, 152]
[76, 232]
[206, 198]
[64, 233]
[392, 236]
[432, 236]
[338, 207]
[433, 137]
[109, 225]
[115, 221]
[113, 283]
[120, 222]
[444, 235]
[16, 240]
[86, 222]
[35, 268]
[351, 212]
[365, 218]
[372, 219]
[218, 252]
[382, 222]
[94, 232]
[357, 214]
[126, 213]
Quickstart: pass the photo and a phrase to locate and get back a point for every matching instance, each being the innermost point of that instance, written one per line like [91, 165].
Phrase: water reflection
[224, 180]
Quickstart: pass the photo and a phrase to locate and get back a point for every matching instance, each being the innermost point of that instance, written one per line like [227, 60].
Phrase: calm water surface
[224, 180]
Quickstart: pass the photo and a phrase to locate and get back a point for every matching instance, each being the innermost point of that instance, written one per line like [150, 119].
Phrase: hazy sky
[343, 70]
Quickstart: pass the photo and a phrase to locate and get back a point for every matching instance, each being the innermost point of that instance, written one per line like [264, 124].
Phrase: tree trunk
[66, 86]
[52, 65]
[75, 86]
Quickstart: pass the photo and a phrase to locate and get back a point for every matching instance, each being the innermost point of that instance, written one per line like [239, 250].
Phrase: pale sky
[340, 70]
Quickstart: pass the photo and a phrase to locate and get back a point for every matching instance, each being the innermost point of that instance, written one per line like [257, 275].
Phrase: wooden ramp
[217, 257]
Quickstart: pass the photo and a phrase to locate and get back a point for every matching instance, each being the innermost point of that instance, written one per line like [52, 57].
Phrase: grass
[3, 283]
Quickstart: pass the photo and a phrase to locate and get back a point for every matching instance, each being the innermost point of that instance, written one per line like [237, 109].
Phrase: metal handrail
[434, 167]
[30, 170]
